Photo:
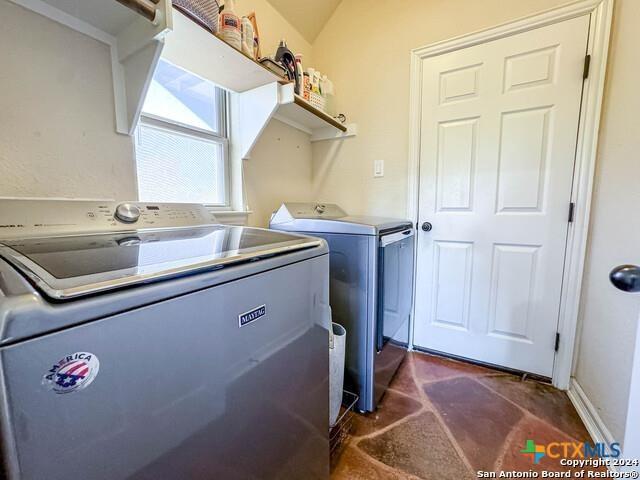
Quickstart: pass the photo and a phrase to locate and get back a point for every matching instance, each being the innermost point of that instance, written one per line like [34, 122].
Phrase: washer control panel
[36, 218]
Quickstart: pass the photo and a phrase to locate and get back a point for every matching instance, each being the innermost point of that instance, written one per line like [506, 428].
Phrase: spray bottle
[230, 29]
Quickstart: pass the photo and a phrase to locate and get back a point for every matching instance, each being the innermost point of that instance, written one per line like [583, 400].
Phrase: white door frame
[586, 149]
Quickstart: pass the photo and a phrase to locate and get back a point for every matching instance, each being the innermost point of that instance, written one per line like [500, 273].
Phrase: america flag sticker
[72, 372]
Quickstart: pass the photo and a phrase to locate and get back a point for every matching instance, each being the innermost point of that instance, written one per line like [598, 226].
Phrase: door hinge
[572, 209]
[557, 346]
[587, 65]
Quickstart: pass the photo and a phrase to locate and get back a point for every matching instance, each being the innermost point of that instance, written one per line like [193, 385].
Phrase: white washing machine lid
[330, 218]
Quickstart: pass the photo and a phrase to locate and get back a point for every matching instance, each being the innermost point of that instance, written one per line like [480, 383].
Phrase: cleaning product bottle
[311, 71]
[326, 88]
[306, 86]
[230, 29]
[315, 81]
[299, 75]
[247, 37]
[256, 36]
[285, 57]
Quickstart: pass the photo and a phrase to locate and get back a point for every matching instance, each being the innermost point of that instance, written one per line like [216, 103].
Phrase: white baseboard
[589, 415]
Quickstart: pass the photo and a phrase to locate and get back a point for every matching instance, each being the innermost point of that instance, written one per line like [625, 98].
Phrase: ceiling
[308, 17]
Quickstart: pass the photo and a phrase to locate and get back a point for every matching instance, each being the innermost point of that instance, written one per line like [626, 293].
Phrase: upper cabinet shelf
[135, 41]
[262, 94]
[199, 51]
[105, 20]
[307, 116]
[297, 112]
[256, 107]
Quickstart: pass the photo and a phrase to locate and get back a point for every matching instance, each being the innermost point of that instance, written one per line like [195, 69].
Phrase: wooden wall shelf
[297, 112]
[256, 107]
[308, 115]
[197, 50]
[136, 46]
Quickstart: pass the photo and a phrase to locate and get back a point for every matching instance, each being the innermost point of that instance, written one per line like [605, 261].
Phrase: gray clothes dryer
[371, 288]
[155, 344]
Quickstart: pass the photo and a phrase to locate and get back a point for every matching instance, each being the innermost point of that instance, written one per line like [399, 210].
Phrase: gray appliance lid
[65, 267]
[330, 218]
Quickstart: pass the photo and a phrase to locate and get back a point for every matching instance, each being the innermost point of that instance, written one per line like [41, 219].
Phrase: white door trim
[599, 31]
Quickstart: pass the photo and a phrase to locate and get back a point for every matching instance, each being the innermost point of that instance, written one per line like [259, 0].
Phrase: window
[181, 140]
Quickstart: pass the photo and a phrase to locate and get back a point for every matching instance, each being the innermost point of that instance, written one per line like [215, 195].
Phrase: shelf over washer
[135, 44]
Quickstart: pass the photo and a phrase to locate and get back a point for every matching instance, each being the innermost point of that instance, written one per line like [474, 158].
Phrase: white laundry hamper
[337, 342]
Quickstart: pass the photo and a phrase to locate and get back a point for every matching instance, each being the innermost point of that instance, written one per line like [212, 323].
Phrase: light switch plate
[378, 168]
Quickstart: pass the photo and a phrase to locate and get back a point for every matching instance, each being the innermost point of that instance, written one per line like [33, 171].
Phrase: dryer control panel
[294, 210]
[40, 218]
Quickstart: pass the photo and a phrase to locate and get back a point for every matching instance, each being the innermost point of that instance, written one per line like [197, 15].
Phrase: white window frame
[221, 137]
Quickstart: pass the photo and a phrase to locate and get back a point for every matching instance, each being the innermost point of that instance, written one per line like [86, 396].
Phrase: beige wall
[610, 317]
[365, 49]
[57, 121]
[273, 27]
[279, 169]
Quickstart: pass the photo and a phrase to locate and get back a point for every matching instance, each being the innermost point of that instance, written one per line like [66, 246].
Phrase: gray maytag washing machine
[144, 341]
[371, 288]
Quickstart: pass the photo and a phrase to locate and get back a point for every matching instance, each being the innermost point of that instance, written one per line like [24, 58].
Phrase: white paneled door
[498, 140]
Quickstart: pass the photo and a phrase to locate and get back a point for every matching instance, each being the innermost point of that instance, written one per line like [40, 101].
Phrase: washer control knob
[127, 213]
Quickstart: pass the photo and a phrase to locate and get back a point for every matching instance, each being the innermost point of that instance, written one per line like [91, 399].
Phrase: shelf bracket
[330, 133]
[135, 50]
[131, 80]
[253, 110]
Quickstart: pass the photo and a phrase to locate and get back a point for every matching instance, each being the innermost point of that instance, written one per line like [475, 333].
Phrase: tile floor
[442, 419]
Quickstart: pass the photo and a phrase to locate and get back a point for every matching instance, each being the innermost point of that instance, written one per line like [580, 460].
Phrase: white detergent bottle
[326, 88]
[247, 37]
[230, 27]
